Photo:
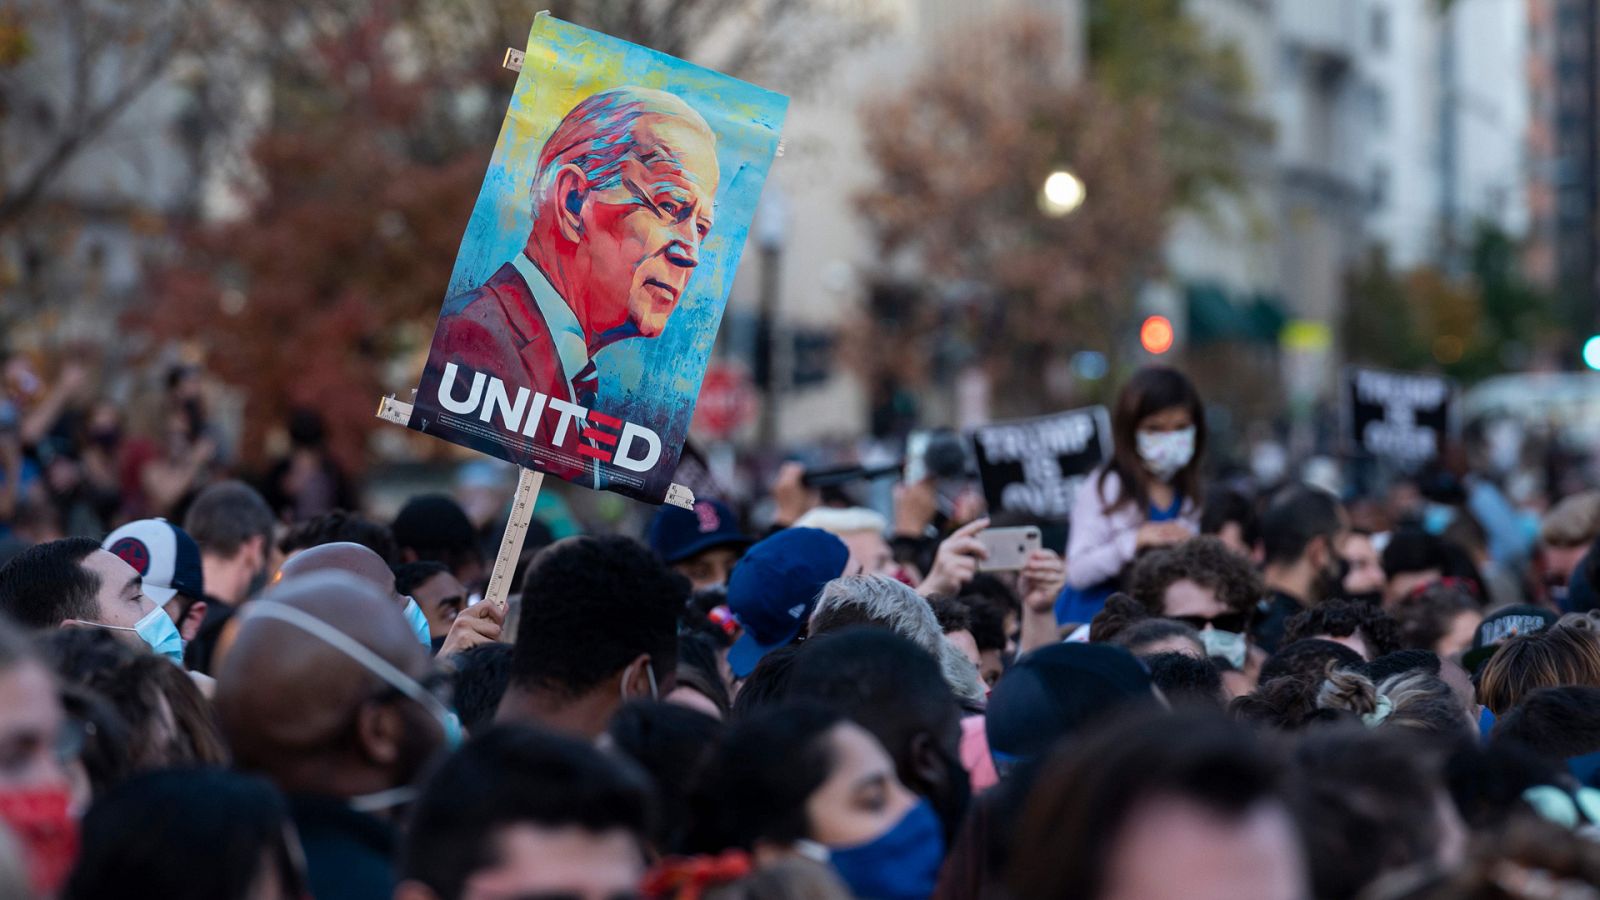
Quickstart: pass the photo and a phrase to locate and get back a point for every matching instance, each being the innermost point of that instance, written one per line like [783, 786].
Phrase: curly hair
[1119, 612]
[1424, 616]
[590, 605]
[1343, 618]
[1206, 561]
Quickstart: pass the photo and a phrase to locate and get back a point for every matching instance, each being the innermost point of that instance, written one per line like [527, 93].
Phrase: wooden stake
[505, 562]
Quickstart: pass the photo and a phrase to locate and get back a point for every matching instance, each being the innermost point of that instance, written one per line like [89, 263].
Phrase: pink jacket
[1102, 541]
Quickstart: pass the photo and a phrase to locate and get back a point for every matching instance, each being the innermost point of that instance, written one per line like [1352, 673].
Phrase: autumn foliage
[341, 261]
[962, 154]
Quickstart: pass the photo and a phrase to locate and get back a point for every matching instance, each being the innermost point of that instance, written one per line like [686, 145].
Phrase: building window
[1378, 192]
[1378, 27]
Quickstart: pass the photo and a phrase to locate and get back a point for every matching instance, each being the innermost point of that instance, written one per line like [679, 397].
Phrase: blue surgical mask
[1229, 645]
[156, 630]
[900, 864]
[419, 623]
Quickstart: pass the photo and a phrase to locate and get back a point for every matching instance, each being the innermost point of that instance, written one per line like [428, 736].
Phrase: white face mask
[1166, 452]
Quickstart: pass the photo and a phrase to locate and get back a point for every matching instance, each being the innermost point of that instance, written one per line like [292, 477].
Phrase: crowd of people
[1220, 688]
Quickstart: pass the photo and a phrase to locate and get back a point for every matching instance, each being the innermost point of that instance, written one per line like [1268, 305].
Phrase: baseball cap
[1055, 691]
[677, 534]
[164, 554]
[1501, 627]
[774, 588]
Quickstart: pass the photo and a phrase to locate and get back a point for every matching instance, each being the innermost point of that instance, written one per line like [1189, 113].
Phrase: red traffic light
[1155, 335]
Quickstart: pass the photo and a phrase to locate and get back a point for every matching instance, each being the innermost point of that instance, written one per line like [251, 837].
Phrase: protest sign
[1398, 416]
[1034, 466]
[596, 265]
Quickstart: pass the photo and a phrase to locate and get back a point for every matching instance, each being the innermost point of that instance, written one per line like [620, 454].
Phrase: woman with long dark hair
[1147, 495]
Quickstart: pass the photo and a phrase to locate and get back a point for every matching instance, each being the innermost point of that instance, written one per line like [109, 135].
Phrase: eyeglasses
[1231, 621]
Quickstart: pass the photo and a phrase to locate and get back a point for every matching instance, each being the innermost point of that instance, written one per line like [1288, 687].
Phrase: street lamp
[1062, 193]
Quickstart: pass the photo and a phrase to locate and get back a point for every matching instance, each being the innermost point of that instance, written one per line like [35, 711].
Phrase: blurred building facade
[1397, 127]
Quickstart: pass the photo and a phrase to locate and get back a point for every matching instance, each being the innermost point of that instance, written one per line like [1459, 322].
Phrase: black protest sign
[1034, 466]
[1398, 416]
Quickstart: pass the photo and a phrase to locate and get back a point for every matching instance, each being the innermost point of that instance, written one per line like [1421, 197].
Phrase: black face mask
[1330, 582]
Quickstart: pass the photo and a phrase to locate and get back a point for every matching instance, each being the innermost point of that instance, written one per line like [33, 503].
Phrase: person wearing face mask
[1146, 496]
[893, 688]
[599, 627]
[72, 583]
[804, 780]
[35, 787]
[1301, 531]
[1203, 584]
[325, 692]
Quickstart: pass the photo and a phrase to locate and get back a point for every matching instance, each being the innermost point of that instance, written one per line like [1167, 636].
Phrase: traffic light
[1155, 335]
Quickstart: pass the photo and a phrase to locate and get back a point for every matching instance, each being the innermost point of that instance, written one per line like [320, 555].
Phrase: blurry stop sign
[727, 401]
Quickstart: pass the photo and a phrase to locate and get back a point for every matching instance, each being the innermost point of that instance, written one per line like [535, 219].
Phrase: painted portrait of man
[597, 263]
[622, 198]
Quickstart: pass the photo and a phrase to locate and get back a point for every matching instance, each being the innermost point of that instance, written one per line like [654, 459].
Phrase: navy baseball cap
[774, 588]
[677, 534]
[163, 554]
[1057, 690]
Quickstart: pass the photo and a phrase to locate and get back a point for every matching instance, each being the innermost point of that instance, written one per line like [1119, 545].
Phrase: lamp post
[772, 232]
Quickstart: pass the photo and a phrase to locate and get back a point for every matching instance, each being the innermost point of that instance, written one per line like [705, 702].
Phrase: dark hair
[131, 680]
[986, 623]
[699, 670]
[1308, 657]
[341, 527]
[757, 783]
[590, 605]
[951, 613]
[199, 833]
[1286, 703]
[767, 684]
[671, 743]
[47, 584]
[1367, 804]
[891, 687]
[1294, 517]
[1400, 662]
[991, 590]
[1079, 807]
[1424, 617]
[509, 775]
[1116, 615]
[1556, 722]
[1343, 618]
[225, 515]
[1143, 634]
[1185, 680]
[1413, 550]
[106, 738]
[481, 676]
[198, 655]
[1551, 860]
[1207, 562]
[1224, 505]
[434, 526]
[410, 576]
[1151, 390]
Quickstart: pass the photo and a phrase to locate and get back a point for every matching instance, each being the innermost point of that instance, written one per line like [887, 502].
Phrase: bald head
[295, 707]
[346, 557]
